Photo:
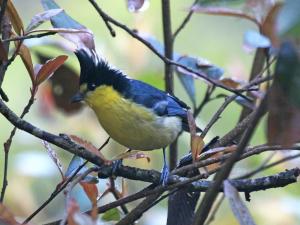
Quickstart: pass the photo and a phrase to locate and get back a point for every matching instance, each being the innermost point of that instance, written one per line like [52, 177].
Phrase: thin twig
[6, 64]
[106, 21]
[184, 22]
[205, 100]
[216, 116]
[116, 195]
[7, 145]
[259, 168]
[19, 38]
[281, 161]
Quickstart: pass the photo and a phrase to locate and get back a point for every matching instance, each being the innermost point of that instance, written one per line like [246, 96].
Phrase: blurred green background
[32, 174]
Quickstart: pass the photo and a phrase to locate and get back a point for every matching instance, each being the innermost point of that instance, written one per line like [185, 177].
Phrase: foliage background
[218, 39]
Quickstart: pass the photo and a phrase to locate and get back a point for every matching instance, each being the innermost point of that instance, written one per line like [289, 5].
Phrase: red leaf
[89, 146]
[62, 86]
[26, 58]
[91, 191]
[49, 68]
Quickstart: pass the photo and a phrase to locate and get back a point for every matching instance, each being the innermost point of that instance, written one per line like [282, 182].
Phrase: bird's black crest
[96, 71]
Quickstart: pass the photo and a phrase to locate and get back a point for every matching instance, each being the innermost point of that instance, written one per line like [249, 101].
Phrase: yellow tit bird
[133, 113]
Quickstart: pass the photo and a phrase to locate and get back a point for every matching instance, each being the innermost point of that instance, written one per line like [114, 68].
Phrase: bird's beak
[77, 97]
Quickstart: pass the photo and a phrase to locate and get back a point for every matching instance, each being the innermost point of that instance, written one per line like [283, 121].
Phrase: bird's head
[92, 74]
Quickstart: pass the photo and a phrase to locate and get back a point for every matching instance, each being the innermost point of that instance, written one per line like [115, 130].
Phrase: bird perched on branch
[135, 114]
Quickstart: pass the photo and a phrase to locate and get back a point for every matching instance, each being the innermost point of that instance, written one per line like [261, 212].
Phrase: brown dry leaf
[258, 8]
[215, 153]
[221, 11]
[73, 208]
[269, 24]
[27, 60]
[89, 146]
[214, 166]
[49, 68]
[197, 145]
[197, 142]
[230, 82]
[14, 17]
[91, 191]
[124, 188]
[6, 217]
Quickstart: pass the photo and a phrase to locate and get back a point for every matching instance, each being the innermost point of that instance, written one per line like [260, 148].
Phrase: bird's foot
[164, 175]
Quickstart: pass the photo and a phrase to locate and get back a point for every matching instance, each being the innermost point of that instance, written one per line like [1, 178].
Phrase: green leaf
[112, 215]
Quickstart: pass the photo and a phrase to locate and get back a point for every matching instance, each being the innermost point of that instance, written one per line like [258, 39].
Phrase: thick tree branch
[61, 141]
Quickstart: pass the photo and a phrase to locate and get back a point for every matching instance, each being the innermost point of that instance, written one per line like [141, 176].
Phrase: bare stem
[7, 145]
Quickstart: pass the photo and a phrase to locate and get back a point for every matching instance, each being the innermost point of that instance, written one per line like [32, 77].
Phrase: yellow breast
[131, 124]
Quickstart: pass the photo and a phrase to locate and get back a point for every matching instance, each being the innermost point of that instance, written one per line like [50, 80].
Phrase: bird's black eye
[92, 86]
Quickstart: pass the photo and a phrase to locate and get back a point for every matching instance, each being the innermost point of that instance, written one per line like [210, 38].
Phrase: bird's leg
[117, 164]
[165, 170]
